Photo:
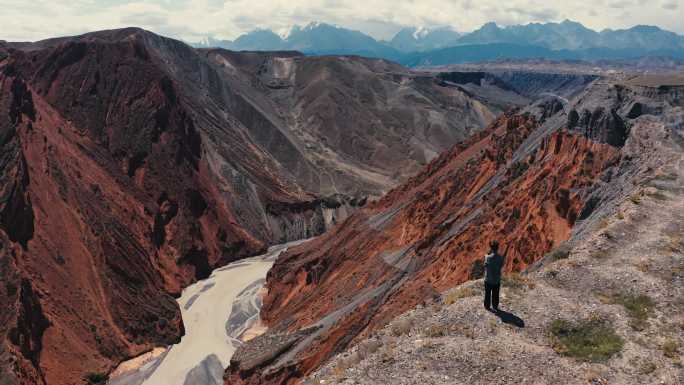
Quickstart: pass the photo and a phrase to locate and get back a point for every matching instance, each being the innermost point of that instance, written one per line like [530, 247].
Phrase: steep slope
[526, 181]
[366, 124]
[622, 270]
[131, 166]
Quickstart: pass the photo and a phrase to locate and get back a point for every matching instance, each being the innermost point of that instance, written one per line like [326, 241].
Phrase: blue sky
[192, 20]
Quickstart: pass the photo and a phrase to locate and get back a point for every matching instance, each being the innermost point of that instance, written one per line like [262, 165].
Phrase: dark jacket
[493, 264]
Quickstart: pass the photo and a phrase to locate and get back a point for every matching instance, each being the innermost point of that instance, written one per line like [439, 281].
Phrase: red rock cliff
[518, 181]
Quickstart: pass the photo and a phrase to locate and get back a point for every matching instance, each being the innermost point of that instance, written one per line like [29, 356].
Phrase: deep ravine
[217, 312]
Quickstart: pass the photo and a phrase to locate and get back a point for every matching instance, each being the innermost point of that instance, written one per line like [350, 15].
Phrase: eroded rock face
[365, 124]
[526, 180]
[131, 165]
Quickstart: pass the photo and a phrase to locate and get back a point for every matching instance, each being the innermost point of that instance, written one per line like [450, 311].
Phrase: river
[216, 312]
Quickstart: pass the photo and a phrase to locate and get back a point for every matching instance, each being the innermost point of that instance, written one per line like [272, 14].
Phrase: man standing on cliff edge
[493, 264]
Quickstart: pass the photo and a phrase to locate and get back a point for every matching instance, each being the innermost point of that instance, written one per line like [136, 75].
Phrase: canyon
[535, 179]
[133, 166]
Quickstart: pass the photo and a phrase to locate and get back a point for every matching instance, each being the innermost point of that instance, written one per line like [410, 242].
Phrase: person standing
[492, 281]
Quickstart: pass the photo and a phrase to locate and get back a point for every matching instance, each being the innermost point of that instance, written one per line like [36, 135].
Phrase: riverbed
[217, 313]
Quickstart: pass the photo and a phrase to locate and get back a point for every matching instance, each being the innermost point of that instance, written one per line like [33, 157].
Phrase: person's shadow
[510, 318]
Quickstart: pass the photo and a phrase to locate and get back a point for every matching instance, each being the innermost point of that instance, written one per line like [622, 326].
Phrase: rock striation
[530, 180]
[132, 165]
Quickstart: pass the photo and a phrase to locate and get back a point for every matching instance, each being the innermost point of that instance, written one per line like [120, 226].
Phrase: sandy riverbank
[216, 312]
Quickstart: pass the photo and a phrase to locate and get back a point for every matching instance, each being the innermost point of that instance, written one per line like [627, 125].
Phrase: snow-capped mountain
[412, 39]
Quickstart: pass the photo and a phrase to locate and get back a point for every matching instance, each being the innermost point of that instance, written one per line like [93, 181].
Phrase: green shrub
[591, 340]
[639, 307]
[96, 378]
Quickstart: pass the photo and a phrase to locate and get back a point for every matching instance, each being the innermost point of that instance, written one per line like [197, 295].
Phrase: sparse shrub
[96, 378]
[388, 353]
[620, 216]
[643, 265]
[647, 367]
[599, 254]
[401, 327]
[468, 332]
[436, 330]
[670, 348]
[345, 363]
[657, 195]
[602, 224]
[560, 252]
[639, 307]
[674, 243]
[516, 281]
[669, 177]
[369, 347]
[592, 340]
[461, 292]
[636, 199]
[493, 325]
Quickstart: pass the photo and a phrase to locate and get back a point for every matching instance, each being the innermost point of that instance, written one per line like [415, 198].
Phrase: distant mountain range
[431, 46]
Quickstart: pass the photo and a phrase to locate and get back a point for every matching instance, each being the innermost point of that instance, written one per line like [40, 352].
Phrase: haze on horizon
[192, 20]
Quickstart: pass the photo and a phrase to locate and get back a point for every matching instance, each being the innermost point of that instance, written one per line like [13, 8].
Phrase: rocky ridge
[534, 179]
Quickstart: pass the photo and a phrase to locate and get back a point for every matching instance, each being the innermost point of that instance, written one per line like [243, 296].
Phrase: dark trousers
[491, 295]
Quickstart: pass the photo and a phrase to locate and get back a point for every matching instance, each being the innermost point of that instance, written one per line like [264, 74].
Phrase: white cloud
[194, 19]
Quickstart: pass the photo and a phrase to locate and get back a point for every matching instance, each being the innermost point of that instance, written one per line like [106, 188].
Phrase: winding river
[218, 312]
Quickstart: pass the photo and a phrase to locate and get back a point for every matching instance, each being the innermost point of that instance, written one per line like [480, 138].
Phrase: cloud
[192, 20]
[670, 5]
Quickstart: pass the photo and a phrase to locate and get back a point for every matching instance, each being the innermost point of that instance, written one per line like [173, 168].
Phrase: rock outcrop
[526, 180]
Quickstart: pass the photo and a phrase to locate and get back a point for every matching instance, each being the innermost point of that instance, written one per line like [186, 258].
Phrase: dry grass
[643, 265]
[516, 281]
[388, 353]
[599, 254]
[602, 224]
[561, 252]
[436, 330]
[674, 243]
[460, 293]
[665, 177]
[401, 327]
[647, 367]
[368, 347]
[657, 195]
[671, 348]
[345, 363]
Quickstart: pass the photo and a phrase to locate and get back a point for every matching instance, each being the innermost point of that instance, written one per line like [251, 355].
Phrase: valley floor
[216, 313]
[627, 276]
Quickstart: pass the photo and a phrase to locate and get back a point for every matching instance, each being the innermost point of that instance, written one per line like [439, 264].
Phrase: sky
[192, 20]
